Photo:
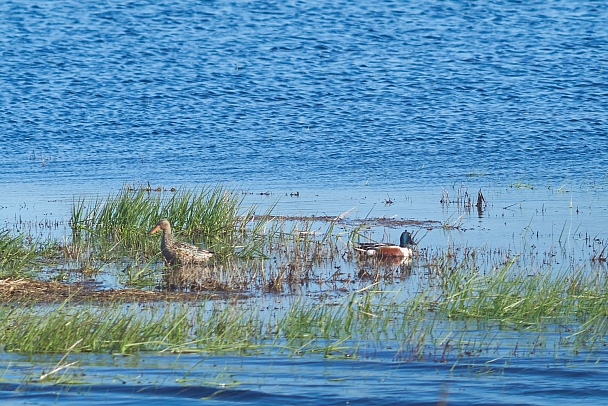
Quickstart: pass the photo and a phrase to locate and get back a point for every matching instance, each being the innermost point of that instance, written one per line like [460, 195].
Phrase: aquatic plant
[17, 255]
[463, 313]
[453, 301]
[212, 216]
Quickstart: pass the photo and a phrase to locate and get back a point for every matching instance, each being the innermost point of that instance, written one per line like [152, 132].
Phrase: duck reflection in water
[188, 277]
[384, 268]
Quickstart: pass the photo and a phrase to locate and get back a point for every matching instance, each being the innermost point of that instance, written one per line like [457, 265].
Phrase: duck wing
[369, 246]
[188, 253]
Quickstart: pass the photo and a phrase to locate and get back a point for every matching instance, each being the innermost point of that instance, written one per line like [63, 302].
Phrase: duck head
[163, 225]
[406, 239]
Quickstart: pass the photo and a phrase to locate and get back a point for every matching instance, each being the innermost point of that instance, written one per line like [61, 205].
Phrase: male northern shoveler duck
[403, 250]
[177, 252]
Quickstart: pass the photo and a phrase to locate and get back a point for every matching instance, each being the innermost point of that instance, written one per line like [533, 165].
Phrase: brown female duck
[177, 252]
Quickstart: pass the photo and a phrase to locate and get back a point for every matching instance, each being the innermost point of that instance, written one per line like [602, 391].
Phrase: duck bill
[155, 229]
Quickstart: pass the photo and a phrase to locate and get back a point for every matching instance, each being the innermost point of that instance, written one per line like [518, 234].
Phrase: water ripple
[327, 92]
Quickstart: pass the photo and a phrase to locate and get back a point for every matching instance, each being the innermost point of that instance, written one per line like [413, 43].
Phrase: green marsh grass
[211, 217]
[463, 300]
[466, 313]
[17, 255]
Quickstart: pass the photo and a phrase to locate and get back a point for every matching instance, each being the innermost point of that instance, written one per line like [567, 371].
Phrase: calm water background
[346, 102]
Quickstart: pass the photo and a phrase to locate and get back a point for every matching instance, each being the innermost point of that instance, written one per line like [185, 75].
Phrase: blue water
[267, 379]
[317, 94]
[347, 102]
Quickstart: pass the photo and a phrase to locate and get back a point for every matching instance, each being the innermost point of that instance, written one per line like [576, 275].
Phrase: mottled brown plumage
[177, 252]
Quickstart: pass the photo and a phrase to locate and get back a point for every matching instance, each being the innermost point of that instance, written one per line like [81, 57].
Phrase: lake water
[268, 380]
[348, 103]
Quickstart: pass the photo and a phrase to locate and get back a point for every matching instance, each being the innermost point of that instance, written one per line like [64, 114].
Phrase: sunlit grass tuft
[212, 217]
[17, 255]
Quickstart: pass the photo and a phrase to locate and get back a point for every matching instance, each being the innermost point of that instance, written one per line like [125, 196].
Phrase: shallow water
[348, 103]
[515, 368]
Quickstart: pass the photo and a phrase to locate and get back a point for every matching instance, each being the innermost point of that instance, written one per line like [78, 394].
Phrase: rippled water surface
[284, 380]
[302, 93]
[349, 103]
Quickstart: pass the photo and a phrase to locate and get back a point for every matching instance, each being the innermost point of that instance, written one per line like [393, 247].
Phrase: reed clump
[17, 255]
[210, 217]
[520, 297]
